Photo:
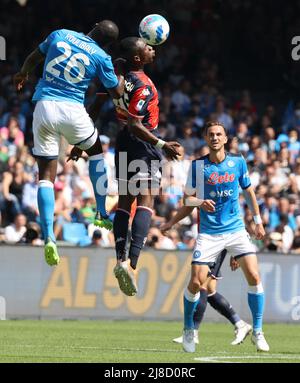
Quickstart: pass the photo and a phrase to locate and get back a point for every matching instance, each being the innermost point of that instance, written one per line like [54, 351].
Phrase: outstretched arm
[30, 63]
[183, 212]
[137, 128]
[254, 208]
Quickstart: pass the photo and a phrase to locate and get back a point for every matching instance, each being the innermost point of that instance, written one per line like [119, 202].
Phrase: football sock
[190, 302]
[139, 231]
[98, 177]
[120, 228]
[220, 303]
[200, 309]
[256, 301]
[46, 205]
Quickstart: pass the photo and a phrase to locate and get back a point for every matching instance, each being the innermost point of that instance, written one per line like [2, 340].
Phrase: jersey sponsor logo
[215, 178]
[139, 105]
[221, 193]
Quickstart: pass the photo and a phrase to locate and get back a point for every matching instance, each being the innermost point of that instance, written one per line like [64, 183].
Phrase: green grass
[136, 341]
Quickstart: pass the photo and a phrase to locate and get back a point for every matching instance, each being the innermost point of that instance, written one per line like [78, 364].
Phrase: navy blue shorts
[137, 160]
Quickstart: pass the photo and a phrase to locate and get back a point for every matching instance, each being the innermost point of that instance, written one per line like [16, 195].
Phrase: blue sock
[200, 309]
[98, 177]
[46, 204]
[256, 301]
[190, 302]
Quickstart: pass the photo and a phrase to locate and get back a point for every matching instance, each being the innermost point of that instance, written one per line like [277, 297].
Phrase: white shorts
[208, 247]
[53, 119]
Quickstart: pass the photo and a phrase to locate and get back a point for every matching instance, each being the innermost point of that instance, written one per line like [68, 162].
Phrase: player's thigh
[249, 265]
[198, 277]
[46, 138]
[212, 286]
[125, 202]
[75, 125]
[207, 249]
[239, 244]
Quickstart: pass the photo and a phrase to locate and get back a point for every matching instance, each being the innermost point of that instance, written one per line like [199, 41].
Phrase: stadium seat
[76, 233]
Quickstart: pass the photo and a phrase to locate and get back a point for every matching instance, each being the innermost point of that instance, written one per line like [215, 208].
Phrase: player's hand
[165, 227]
[234, 264]
[120, 66]
[208, 205]
[20, 80]
[259, 231]
[172, 149]
[75, 154]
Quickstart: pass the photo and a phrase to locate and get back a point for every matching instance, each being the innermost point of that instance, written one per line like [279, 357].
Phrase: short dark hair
[105, 32]
[213, 123]
[129, 47]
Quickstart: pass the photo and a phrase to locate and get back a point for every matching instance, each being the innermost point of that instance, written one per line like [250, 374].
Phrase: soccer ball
[154, 29]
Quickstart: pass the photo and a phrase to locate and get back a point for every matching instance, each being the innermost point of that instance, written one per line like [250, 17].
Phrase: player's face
[146, 52]
[216, 138]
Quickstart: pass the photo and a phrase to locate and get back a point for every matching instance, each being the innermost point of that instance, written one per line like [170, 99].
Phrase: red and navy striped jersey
[140, 100]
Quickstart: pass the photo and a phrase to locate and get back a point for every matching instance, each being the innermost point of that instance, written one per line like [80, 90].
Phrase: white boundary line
[226, 359]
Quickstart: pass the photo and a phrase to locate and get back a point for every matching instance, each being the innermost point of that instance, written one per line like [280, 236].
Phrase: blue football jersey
[221, 184]
[72, 61]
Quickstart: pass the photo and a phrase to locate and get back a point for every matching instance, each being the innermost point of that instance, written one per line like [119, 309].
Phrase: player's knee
[194, 285]
[253, 277]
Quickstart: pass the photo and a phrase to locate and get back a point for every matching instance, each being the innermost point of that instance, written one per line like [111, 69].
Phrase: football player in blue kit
[220, 174]
[71, 61]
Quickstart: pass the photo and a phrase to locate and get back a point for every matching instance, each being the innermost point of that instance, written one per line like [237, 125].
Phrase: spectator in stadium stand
[181, 99]
[242, 135]
[32, 235]
[189, 142]
[222, 115]
[296, 243]
[29, 198]
[13, 183]
[276, 123]
[14, 111]
[295, 179]
[15, 231]
[96, 239]
[268, 139]
[12, 136]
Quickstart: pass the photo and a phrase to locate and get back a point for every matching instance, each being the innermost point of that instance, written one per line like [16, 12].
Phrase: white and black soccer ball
[154, 29]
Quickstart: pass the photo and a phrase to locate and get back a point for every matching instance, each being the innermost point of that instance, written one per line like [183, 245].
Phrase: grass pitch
[137, 342]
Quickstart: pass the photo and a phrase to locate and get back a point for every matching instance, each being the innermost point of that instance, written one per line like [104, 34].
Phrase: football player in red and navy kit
[137, 158]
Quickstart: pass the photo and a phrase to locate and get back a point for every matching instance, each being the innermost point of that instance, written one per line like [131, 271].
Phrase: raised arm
[30, 63]
[183, 212]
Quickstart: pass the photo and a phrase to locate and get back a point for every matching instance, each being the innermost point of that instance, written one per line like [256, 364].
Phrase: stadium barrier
[83, 286]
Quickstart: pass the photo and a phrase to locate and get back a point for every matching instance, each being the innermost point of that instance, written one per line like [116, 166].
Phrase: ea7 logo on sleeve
[2, 48]
[146, 92]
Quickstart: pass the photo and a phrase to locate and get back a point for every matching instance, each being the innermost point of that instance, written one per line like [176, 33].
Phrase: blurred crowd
[198, 79]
